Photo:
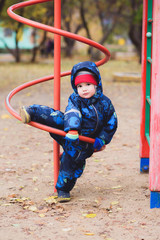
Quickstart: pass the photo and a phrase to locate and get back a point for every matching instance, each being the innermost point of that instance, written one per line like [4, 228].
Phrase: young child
[89, 113]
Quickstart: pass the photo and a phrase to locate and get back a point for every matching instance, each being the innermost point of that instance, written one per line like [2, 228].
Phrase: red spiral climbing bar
[58, 32]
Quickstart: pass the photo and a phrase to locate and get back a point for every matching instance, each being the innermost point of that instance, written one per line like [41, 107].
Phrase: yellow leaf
[89, 234]
[116, 187]
[42, 215]
[28, 94]
[25, 198]
[35, 179]
[66, 229]
[6, 204]
[5, 116]
[119, 209]
[19, 200]
[91, 215]
[50, 200]
[114, 203]
[25, 207]
[96, 160]
[33, 208]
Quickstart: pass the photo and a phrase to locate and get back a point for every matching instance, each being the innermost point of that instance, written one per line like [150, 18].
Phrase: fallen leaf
[6, 204]
[28, 94]
[114, 203]
[33, 208]
[42, 215]
[51, 199]
[96, 160]
[25, 207]
[35, 179]
[81, 199]
[97, 201]
[116, 187]
[89, 234]
[5, 116]
[19, 200]
[119, 209]
[66, 229]
[90, 215]
[15, 225]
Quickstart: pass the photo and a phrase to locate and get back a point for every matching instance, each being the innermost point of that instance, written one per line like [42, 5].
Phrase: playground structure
[150, 97]
[57, 71]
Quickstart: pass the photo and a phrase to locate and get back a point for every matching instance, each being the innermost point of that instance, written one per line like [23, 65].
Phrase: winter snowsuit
[93, 117]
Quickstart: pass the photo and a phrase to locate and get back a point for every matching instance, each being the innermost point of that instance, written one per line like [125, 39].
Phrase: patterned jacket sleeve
[110, 122]
[72, 116]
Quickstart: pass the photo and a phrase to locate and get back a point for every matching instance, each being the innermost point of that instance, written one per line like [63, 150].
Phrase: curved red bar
[47, 78]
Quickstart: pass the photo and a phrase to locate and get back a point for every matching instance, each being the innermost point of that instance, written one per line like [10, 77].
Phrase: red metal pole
[144, 147]
[57, 70]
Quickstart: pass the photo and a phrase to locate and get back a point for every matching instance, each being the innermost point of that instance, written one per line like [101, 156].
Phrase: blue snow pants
[72, 161]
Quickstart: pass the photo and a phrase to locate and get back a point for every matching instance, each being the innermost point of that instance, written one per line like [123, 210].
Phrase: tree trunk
[1, 5]
[17, 51]
[69, 48]
[135, 34]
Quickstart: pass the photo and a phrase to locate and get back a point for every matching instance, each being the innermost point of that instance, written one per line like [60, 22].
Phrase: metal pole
[57, 70]
[144, 147]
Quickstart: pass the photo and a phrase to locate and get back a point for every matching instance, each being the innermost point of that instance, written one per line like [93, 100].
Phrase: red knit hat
[85, 76]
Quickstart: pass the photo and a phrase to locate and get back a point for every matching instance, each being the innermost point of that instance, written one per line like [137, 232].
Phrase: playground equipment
[150, 96]
[150, 99]
[57, 63]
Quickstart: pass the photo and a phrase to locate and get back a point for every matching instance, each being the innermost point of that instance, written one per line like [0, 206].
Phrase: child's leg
[47, 116]
[72, 168]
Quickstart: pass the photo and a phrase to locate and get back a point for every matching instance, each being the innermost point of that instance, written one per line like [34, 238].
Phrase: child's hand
[99, 144]
[71, 143]
[72, 135]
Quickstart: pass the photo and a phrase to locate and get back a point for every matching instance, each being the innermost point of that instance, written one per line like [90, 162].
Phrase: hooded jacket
[93, 117]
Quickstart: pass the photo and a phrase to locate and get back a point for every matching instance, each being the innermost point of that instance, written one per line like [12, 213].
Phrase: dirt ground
[111, 201]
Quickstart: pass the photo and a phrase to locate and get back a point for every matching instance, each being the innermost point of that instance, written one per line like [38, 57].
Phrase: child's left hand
[72, 135]
[99, 144]
[71, 143]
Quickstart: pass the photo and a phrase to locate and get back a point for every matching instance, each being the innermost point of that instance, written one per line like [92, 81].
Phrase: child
[89, 113]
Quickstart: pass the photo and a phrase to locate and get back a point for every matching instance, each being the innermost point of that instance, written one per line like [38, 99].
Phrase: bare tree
[114, 14]
[2, 2]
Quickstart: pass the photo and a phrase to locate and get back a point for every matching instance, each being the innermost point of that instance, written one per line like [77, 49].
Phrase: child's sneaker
[63, 196]
[25, 116]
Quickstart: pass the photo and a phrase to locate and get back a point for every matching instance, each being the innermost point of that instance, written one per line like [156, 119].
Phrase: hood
[91, 67]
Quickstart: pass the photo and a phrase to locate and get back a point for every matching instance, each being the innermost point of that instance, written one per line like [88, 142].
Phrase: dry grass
[13, 74]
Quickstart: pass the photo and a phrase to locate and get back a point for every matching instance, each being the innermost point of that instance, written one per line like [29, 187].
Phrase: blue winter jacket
[93, 117]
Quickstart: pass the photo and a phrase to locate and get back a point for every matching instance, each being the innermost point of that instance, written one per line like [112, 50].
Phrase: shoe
[25, 116]
[63, 196]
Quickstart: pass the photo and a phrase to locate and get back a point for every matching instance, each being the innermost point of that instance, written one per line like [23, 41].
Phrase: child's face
[86, 90]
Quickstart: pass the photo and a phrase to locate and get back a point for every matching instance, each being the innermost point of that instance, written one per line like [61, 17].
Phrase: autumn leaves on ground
[110, 200]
